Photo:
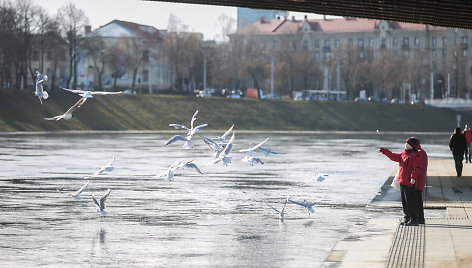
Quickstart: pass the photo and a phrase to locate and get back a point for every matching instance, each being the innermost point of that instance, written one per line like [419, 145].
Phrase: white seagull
[252, 160]
[306, 204]
[217, 147]
[250, 151]
[88, 93]
[100, 204]
[222, 139]
[280, 212]
[68, 115]
[40, 93]
[180, 165]
[106, 168]
[224, 158]
[76, 195]
[188, 143]
[178, 126]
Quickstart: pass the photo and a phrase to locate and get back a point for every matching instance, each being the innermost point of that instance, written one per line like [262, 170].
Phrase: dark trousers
[410, 202]
[458, 158]
[419, 208]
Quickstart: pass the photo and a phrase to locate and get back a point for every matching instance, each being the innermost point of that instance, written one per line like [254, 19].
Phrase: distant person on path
[458, 146]
[468, 138]
[412, 172]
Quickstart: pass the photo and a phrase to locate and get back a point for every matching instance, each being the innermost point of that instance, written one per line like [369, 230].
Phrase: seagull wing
[57, 117]
[194, 117]
[194, 166]
[229, 146]
[259, 145]
[76, 106]
[213, 145]
[194, 130]
[95, 201]
[77, 91]
[296, 203]
[174, 139]
[81, 189]
[105, 196]
[104, 93]
[178, 126]
[227, 132]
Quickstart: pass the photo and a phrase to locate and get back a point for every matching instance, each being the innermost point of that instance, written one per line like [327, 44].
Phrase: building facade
[446, 64]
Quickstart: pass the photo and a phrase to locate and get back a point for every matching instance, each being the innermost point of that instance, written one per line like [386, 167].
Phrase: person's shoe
[405, 220]
[412, 223]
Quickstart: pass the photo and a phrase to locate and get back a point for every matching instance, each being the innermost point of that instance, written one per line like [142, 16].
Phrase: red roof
[145, 31]
[326, 25]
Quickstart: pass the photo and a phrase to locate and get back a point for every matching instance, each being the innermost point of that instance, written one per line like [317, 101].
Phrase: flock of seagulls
[84, 95]
[221, 146]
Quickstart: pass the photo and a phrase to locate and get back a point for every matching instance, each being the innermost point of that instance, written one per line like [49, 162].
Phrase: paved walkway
[444, 241]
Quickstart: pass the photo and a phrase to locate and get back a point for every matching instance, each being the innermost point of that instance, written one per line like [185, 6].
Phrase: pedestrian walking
[412, 173]
[458, 146]
[468, 138]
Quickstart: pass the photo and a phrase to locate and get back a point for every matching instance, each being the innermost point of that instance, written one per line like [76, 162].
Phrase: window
[146, 55]
[444, 41]
[395, 42]
[434, 41]
[274, 44]
[336, 43]
[465, 53]
[371, 42]
[406, 42]
[305, 44]
[464, 39]
[317, 55]
[145, 76]
[326, 43]
[383, 42]
[350, 42]
[417, 41]
[360, 42]
[317, 43]
[361, 55]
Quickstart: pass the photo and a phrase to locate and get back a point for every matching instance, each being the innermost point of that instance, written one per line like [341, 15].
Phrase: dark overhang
[447, 13]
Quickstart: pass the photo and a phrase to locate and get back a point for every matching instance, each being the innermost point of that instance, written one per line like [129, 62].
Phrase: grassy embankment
[21, 111]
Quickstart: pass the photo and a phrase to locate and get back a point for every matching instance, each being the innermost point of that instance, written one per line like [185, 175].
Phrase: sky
[199, 18]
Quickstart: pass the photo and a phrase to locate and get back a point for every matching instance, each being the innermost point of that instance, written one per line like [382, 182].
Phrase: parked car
[373, 99]
[206, 93]
[270, 96]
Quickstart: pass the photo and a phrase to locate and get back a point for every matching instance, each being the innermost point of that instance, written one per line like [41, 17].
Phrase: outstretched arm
[393, 156]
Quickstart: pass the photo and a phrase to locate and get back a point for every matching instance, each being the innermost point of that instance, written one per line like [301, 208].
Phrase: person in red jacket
[468, 137]
[412, 172]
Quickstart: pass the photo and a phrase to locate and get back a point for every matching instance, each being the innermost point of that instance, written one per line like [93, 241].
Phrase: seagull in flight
[88, 93]
[40, 93]
[106, 168]
[319, 177]
[178, 126]
[280, 212]
[180, 165]
[306, 204]
[252, 160]
[100, 204]
[68, 115]
[76, 195]
[217, 147]
[188, 143]
[222, 139]
[250, 151]
[224, 158]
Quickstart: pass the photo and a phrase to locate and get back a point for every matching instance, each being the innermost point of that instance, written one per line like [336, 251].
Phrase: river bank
[20, 111]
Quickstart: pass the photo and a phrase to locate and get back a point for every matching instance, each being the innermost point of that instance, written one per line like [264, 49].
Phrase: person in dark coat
[412, 173]
[458, 146]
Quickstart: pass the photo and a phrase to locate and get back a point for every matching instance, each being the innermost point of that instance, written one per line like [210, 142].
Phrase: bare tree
[73, 22]
[96, 50]
[116, 58]
[134, 52]
[7, 44]
[226, 26]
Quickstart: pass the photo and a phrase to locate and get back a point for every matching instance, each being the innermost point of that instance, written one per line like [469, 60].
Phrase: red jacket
[412, 164]
[468, 135]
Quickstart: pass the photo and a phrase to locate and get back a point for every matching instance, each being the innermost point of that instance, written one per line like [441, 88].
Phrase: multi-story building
[443, 50]
[138, 47]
